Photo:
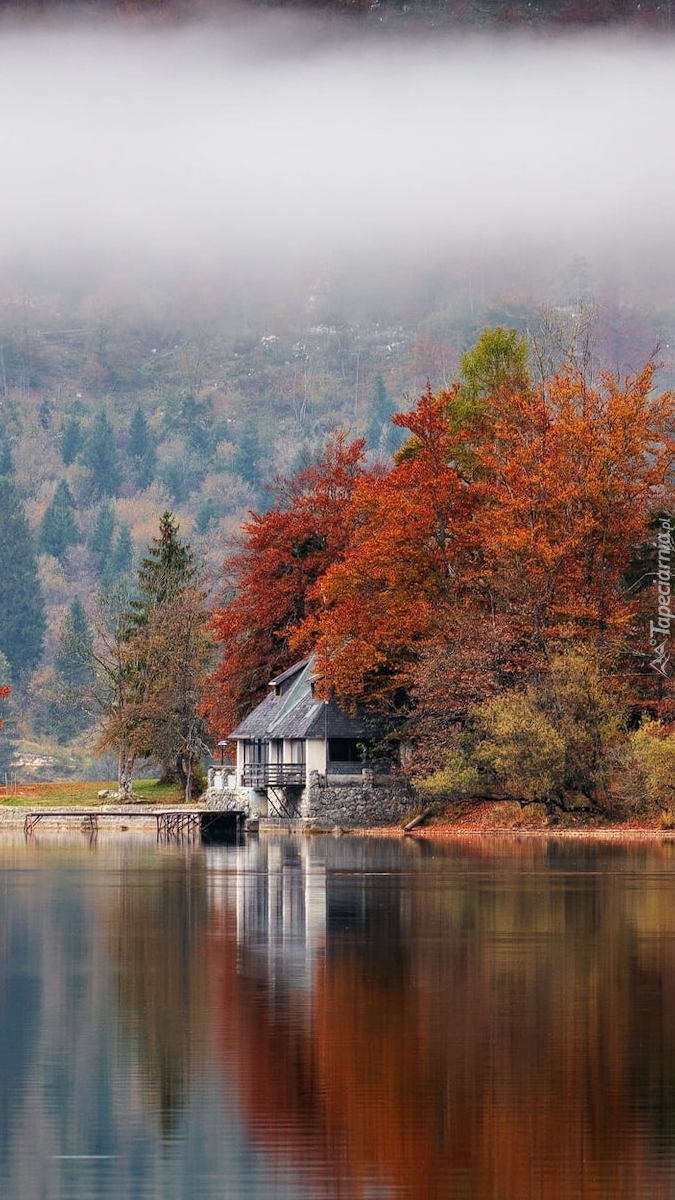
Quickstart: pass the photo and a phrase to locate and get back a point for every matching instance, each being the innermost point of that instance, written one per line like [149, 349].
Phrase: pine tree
[99, 542]
[6, 463]
[72, 440]
[141, 450]
[380, 431]
[73, 667]
[167, 569]
[59, 530]
[99, 453]
[121, 557]
[159, 652]
[45, 413]
[22, 614]
[247, 457]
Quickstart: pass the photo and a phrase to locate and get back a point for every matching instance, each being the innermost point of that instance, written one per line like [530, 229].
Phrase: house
[300, 756]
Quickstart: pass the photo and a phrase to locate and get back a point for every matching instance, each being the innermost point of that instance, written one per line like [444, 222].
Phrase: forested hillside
[121, 400]
[232, 233]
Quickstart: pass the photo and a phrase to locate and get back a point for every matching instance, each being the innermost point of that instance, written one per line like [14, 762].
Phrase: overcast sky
[267, 141]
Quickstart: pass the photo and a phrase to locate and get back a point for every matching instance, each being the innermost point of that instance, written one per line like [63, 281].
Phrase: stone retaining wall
[226, 800]
[352, 807]
[375, 801]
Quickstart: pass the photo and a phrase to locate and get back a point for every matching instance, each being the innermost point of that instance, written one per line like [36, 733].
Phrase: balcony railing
[260, 775]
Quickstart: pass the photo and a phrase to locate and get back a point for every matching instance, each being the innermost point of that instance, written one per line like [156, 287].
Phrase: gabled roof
[292, 711]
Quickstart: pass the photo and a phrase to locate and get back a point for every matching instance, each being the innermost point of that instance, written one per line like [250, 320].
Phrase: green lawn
[84, 795]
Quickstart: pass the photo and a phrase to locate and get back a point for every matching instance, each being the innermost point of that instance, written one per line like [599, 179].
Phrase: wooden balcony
[262, 775]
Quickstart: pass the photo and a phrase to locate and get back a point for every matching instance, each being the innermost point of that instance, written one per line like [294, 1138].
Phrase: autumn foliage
[505, 530]
[269, 578]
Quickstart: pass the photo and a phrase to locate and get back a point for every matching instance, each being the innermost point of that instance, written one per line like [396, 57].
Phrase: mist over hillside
[274, 143]
[235, 233]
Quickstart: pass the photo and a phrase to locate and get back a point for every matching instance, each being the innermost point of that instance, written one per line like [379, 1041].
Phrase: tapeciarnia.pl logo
[659, 630]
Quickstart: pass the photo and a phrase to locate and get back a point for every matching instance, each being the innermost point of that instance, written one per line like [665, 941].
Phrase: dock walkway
[173, 824]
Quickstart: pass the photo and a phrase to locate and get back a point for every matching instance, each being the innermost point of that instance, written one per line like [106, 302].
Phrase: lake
[359, 1018]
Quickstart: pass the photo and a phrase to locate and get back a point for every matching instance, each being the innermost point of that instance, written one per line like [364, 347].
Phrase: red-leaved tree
[270, 575]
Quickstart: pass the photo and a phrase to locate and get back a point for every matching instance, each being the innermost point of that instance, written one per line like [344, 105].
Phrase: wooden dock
[173, 824]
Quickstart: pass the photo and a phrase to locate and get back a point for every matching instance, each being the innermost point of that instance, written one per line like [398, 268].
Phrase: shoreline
[489, 820]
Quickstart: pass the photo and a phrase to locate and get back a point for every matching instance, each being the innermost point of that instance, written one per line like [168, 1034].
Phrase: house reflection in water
[288, 916]
[290, 894]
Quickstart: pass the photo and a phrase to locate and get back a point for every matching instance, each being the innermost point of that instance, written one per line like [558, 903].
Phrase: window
[344, 750]
[256, 751]
[297, 750]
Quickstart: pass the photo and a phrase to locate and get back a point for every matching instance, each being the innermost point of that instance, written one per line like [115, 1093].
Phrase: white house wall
[316, 755]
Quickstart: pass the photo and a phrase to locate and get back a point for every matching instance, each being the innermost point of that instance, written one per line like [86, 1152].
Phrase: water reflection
[337, 1018]
[472, 1023]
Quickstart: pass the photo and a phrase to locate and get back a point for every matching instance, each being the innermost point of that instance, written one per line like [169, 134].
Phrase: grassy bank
[85, 795]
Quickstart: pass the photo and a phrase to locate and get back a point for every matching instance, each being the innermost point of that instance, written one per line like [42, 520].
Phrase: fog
[273, 141]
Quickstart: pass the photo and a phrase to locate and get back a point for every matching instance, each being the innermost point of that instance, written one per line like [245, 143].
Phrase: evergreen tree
[76, 642]
[72, 440]
[99, 453]
[6, 463]
[247, 457]
[159, 657]
[381, 432]
[59, 530]
[99, 543]
[45, 413]
[141, 450]
[73, 666]
[22, 615]
[165, 571]
[120, 558]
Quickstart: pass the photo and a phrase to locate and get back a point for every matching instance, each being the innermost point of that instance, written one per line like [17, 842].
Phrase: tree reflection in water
[484, 1019]
[156, 936]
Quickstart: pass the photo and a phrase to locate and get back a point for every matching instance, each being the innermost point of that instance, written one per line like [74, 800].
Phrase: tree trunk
[125, 768]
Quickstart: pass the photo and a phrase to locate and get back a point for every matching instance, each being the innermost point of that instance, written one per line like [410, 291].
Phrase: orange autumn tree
[574, 474]
[4, 693]
[411, 561]
[268, 578]
[516, 517]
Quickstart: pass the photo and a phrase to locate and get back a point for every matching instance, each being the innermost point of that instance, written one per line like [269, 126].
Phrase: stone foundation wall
[373, 803]
[360, 802]
[226, 800]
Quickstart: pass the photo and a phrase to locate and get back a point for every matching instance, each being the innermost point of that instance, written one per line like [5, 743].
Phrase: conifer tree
[73, 666]
[6, 463]
[158, 658]
[59, 530]
[381, 432]
[247, 457]
[99, 453]
[120, 559]
[167, 569]
[72, 440]
[141, 450]
[99, 542]
[22, 615]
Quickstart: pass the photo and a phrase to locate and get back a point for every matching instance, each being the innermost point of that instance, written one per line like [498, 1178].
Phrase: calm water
[336, 1018]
